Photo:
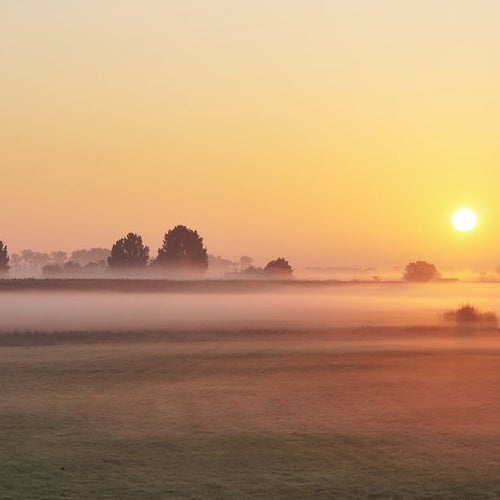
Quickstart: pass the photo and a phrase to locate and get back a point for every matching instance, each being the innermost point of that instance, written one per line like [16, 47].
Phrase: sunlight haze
[328, 132]
[249, 249]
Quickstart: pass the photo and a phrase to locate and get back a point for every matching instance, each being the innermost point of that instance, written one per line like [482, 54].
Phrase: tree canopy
[129, 252]
[4, 258]
[279, 268]
[421, 271]
[183, 251]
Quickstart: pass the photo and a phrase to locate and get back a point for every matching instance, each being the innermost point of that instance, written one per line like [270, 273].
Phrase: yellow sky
[329, 132]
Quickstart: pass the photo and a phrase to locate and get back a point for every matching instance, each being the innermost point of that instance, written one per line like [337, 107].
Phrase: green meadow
[361, 413]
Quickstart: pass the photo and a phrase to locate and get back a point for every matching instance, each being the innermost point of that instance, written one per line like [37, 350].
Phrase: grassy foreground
[268, 416]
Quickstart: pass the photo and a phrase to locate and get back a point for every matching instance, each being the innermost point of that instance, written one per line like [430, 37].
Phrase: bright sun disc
[464, 220]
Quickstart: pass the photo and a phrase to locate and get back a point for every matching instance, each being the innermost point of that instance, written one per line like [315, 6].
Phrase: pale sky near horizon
[328, 132]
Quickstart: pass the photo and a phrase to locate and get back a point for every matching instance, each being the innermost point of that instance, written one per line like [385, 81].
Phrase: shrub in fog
[470, 315]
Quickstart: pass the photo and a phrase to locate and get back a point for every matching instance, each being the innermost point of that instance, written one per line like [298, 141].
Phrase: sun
[464, 220]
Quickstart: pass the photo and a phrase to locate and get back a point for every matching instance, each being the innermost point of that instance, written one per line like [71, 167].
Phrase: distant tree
[84, 256]
[95, 266]
[183, 251]
[421, 271]
[58, 257]
[51, 270]
[252, 273]
[71, 267]
[4, 259]
[279, 268]
[245, 262]
[30, 261]
[129, 252]
[220, 265]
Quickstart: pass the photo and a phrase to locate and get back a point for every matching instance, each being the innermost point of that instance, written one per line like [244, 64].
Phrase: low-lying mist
[391, 304]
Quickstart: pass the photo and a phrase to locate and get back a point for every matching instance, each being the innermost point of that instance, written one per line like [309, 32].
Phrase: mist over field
[269, 391]
[318, 306]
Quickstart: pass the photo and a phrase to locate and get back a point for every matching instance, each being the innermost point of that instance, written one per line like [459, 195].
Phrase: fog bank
[322, 306]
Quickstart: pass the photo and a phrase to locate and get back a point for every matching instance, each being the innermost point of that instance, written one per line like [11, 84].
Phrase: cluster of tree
[93, 256]
[70, 268]
[82, 262]
[182, 253]
[275, 269]
[29, 262]
[218, 265]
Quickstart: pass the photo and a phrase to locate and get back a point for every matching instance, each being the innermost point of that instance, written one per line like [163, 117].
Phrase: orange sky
[328, 132]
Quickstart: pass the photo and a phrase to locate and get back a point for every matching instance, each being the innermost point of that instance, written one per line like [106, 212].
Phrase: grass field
[364, 413]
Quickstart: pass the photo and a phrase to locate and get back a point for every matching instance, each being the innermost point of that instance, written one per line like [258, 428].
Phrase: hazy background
[325, 131]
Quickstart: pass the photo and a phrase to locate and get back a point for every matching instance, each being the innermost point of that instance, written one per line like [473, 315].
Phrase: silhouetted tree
[279, 268]
[421, 271]
[183, 251]
[129, 252]
[4, 259]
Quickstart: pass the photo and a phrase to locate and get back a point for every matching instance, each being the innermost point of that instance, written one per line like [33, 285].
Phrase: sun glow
[464, 220]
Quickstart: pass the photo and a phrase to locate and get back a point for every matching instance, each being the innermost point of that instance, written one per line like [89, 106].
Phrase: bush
[467, 314]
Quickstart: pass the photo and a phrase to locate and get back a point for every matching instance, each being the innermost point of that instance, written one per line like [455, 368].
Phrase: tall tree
[183, 251]
[129, 252]
[4, 259]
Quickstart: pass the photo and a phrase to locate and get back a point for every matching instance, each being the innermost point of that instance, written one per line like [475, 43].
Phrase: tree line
[181, 255]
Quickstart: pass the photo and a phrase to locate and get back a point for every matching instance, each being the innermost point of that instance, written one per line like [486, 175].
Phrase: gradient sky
[328, 132]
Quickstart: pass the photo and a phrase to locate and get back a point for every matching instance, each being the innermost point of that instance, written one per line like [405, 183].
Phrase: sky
[328, 132]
